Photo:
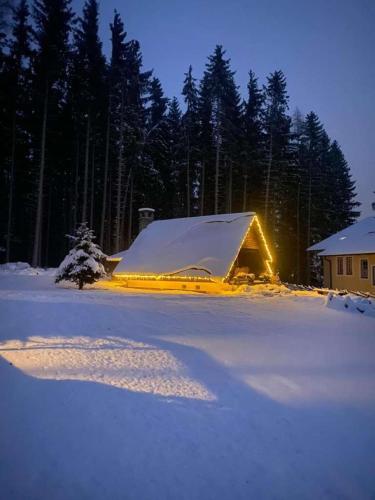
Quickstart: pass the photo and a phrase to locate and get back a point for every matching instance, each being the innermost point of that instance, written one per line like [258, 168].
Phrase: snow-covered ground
[110, 395]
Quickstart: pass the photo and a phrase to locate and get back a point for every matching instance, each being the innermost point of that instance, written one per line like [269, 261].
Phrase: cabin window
[340, 265]
[349, 265]
[364, 269]
[373, 275]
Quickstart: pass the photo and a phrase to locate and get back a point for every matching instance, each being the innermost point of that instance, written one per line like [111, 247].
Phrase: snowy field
[109, 395]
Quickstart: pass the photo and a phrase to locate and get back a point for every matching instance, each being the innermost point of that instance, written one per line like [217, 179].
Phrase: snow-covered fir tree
[85, 262]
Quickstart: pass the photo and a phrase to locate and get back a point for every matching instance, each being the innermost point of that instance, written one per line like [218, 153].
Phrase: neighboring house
[194, 253]
[349, 257]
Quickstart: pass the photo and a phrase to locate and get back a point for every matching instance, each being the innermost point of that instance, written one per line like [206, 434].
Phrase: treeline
[86, 138]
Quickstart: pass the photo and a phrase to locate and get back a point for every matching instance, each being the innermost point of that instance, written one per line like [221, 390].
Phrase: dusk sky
[325, 48]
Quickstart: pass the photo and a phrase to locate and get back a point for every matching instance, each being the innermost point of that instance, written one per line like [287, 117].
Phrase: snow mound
[351, 303]
[266, 290]
[24, 269]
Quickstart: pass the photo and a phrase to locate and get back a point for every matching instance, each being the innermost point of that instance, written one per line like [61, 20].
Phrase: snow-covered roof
[194, 246]
[359, 238]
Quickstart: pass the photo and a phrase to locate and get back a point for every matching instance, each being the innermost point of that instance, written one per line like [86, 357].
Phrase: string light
[167, 277]
[264, 241]
[162, 277]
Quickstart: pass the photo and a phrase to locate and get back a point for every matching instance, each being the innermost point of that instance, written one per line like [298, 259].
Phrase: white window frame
[360, 269]
[337, 265]
[347, 257]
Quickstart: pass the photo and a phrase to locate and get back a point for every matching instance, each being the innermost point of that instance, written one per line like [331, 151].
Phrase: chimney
[146, 216]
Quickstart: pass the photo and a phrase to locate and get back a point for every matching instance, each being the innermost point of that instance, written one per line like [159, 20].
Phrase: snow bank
[351, 303]
[24, 269]
[265, 290]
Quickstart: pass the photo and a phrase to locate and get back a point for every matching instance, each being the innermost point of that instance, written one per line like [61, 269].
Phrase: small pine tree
[85, 261]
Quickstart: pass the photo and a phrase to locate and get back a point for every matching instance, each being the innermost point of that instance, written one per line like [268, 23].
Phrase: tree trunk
[92, 187]
[119, 179]
[244, 198]
[123, 215]
[108, 235]
[39, 210]
[298, 233]
[188, 178]
[217, 163]
[268, 180]
[230, 187]
[130, 212]
[202, 188]
[46, 257]
[11, 188]
[105, 182]
[76, 182]
[309, 225]
[86, 174]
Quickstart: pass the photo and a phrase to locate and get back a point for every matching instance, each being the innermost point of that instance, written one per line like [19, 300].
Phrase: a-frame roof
[194, 246]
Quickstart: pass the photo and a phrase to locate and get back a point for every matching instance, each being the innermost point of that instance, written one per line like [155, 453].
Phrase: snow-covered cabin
[349, 257]
[195, 253]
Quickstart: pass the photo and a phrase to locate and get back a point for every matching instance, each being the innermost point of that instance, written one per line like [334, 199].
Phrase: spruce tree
[344, 204]
[219, 88]
[277, 130]
[157, 154]
[137, 85]
[17, 114]
[279, 175]
[85, 262]
[191, 139]
[175, 180]
[127, 128]
[91, 74]
[52, 20]
[252, 149]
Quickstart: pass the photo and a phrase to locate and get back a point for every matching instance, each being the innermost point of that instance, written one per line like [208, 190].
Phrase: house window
[364, 269]
[373, 275]
[340, 265]
[349, 265]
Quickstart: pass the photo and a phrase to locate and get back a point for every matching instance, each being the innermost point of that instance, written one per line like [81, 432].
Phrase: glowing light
[153, 277]
[264, 241]
[161, 277]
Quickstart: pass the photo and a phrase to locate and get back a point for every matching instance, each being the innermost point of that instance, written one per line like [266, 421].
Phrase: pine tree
[344, 204]
[191, 131]
[157, 170]
[253, 148]
[17, 76]
[137, 84]
[53, 20]
[128, 87]
[175, 180]
[277, 130]
[85, 262]
[279, 184]
[90, 73]
[218, 87]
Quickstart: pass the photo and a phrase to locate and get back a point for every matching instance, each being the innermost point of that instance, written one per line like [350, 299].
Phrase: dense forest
[90, 138]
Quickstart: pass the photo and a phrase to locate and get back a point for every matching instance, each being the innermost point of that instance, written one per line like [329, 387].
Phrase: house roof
[359, 238]
[194, 246]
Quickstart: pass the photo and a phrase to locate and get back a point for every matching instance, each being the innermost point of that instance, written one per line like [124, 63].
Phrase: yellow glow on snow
[114, 361]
